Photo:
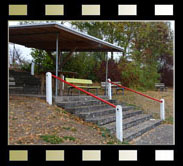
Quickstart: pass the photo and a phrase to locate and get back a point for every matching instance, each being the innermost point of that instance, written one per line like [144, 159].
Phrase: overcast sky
[26, 51]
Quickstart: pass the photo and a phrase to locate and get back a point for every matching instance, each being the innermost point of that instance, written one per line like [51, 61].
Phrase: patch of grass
[104, 132]
[53, 139]
[69, 138]
[73, 129]
[57, 109]
[168, 120]
[69, 128]
[66, 128]
[65, 112]
[117, 142]
[61, 111]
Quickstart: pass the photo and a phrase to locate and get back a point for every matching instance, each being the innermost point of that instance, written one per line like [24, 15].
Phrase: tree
[113, 71]
[43, 62]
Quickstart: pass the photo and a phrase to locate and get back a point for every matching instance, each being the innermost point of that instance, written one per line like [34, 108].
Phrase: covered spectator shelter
[56, 37]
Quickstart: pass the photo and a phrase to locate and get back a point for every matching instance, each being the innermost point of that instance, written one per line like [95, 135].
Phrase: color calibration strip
[90, 10]
[91, 155]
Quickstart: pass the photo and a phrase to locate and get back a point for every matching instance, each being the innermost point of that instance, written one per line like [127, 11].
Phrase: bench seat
[87, 84]
[87, 87]
[160, 86]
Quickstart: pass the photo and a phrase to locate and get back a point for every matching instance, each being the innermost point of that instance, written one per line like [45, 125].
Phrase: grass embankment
[148, 105]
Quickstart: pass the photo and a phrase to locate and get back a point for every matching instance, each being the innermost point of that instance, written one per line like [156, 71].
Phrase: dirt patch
[33, 121]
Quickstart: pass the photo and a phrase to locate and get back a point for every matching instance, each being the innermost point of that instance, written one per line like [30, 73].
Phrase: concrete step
[105, 119]
[11, 79]
[23, 90]
[140, 129]
[128, 122]
[99, 112]
[12, 83]
[81, 103]
[91, 108]
[76, 98]
[95, 114]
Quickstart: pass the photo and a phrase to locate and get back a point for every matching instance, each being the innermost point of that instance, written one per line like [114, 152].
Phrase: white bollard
[49, 88]
[32, 68]
[109, 90]
[119, 123]
[162, 109]
[63, 82]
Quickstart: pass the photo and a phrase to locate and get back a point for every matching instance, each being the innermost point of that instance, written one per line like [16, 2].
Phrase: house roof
[43, 36]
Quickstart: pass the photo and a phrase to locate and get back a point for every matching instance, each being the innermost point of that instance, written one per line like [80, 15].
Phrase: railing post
[32, 68]
[109, 89]
[49, 88]
[162, 109]
[119, 123]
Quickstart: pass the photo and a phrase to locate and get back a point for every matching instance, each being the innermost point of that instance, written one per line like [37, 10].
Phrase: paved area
[161, 135]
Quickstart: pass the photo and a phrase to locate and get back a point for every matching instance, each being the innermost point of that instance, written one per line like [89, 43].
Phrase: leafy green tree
[43, 62]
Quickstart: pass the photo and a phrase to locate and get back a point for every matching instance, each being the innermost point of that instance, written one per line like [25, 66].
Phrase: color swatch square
[91, 155]
[127, 10]
[54, 10]
[127, 155]
[54, 155]
[90, 10]
[18, 155]
[17, 10]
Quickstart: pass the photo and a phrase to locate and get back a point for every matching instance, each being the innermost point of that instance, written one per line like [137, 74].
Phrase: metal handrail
[88, 93]
[160, 101]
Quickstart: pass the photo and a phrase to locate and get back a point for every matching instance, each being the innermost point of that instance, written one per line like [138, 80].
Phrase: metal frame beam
[56, 72]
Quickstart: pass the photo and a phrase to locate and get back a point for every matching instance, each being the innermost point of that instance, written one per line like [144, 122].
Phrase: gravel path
[161, 135]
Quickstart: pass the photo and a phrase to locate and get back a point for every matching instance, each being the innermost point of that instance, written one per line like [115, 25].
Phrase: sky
[26, 51]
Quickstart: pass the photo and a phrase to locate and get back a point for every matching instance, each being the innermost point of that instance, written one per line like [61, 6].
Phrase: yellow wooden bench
[81, 83]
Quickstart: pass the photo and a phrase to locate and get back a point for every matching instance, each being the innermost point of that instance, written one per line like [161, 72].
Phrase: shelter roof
[43, 36]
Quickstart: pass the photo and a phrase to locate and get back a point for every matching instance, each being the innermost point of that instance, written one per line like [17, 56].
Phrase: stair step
[140, 129]
[93, 108]
[102, 120]
[81, 103]
[128, 122]
[23, 83]
[77, 98]
[99, 112]
[11, 83]
[11, 79]
[16, 87]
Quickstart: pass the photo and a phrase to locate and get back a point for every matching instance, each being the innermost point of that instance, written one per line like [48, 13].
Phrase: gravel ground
[161, 135]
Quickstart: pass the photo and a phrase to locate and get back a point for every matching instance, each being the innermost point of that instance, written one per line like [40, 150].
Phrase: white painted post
[119, 123]
[49, 88]
[109, 90]
[32, 68]
[63, 82]
[162, 109]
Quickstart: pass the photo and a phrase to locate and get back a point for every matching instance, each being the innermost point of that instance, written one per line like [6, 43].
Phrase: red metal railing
[135, 92]
[88, 93]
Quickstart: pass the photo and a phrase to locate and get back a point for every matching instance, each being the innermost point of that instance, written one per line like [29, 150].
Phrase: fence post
[109, 90]
[32, 68]
[119, 123]
[49, 88]
[162, 109]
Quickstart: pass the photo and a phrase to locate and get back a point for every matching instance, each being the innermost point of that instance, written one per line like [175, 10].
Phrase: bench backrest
[78, 81]
[159, 84]
[103, 84]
